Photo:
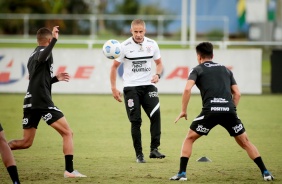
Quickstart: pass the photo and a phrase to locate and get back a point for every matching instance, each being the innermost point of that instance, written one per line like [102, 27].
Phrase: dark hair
[205, 50]
[43, 33]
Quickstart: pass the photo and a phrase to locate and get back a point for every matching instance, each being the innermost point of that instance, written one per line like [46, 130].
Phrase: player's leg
[151, 105]
[200, 126]
[30, 122]
[132, 106]
[6, 153]
[236, 129]
[60, 124]
[187, 145]
[65, 131]
[253, 153]
[244, 142]
[8, 158]
[25, 142]
[186, 152]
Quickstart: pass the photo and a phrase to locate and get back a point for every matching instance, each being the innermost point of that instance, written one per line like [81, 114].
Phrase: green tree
[125, 7]
[154, 10]
[15, 26]
[133, 7]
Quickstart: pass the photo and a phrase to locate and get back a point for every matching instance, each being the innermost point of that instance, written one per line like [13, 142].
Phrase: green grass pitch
[104, 151]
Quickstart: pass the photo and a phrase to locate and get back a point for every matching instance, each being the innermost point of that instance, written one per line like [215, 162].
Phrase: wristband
[158, 75]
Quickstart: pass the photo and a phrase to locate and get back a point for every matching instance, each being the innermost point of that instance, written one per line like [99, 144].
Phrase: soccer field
[104, 151]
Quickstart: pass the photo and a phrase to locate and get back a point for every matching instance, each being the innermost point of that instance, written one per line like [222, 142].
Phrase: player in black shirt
[220, 97]
[8, 158]
[38, 101]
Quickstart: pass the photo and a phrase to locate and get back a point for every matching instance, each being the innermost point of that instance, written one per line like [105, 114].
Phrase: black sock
[183, 164]
[69, 163]
[260, 164]
[13, 172]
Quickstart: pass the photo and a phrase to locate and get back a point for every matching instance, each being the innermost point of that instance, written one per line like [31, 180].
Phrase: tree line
[75, 27]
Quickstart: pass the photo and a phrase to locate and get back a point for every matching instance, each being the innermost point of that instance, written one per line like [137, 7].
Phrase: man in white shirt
[138, 54]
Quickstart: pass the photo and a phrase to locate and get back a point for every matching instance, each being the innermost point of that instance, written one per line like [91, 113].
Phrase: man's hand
[181, 115]
[55, 32]
[117, 95]
[155, 79]
[63, 77]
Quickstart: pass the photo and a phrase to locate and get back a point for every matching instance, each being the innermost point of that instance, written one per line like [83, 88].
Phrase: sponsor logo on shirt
[219, 108]
[138, 66]
[201, 128]
[219, 100]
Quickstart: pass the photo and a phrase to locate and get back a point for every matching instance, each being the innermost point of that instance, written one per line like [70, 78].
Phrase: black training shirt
[214, 82]
[40, 68]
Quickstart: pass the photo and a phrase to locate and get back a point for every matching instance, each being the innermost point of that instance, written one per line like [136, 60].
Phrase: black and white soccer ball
[112, 49]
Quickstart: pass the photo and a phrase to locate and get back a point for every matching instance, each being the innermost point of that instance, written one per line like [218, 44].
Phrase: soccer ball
[112, 49]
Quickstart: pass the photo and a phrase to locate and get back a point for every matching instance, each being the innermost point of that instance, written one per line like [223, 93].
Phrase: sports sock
[183, 164]
[13, 172]
[69, 163]
[260, 164]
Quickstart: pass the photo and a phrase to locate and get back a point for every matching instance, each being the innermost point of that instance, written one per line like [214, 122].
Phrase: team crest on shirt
[130, 103]
[149, 49]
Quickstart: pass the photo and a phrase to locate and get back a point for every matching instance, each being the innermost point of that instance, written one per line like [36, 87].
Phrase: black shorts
[1, 128]
[206, 121]
[32, 117]
[145, 96]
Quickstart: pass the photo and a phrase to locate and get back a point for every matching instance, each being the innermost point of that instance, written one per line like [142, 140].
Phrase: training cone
[204, 159]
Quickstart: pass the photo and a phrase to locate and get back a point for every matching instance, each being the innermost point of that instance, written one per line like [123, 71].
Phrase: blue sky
[204, 9]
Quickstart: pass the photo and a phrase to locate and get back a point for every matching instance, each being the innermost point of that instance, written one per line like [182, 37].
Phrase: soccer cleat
[73, 174]
[140, 159]
[267, 176]
[180, 177]
[156, 154]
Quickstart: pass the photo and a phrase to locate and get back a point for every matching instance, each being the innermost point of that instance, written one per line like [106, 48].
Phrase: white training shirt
[137, 61]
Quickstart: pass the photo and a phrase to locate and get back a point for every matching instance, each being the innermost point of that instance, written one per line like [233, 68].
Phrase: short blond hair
[138, 22]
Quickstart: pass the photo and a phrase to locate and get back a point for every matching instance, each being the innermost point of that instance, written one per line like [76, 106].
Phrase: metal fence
[94, 19]
[223, 42]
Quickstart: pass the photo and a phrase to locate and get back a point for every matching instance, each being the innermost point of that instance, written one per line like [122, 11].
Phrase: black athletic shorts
[1, 128]
[206, 121]
[32, 117]
[145, 96]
